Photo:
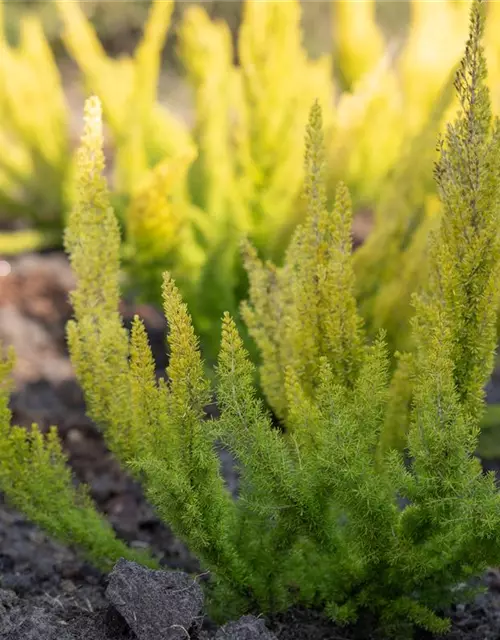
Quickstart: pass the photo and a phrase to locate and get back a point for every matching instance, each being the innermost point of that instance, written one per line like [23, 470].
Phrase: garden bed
[47, 591]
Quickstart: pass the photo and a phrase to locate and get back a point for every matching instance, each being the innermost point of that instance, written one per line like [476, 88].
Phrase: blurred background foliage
[188, 186]
[119, 23]
[205, 105]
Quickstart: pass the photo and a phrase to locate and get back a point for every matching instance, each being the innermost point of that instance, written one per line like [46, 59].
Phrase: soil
[46, 590]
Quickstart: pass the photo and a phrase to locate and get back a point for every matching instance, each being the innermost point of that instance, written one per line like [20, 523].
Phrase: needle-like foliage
[306, 309]
[319, 518]
[36, 479]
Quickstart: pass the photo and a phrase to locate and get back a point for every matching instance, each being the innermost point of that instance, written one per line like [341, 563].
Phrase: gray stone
[157, 605]
[246, 628]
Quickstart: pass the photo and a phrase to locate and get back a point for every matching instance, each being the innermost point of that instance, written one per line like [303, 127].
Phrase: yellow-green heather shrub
[393, 84]
[290, 315]
[392, 263]
[317, 520]
[276, 76]
[248, 173]
[33, 135]
[37, 480]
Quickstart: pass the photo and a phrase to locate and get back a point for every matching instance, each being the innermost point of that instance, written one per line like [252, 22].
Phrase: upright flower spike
[185, 371]
[328, 278]
[97, 340]
[392, 263]
[111, 82]
[275, 77]
[263, 314]
[134, 154]
[148, 54]
[144, 131]
[314, 310]
[93, 237]
[465, 257]
[48, 126]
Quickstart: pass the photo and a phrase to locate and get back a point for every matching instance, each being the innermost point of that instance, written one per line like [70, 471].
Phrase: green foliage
[98, 342]
[36, 480]
[318, 519]
[291, 315]
[464, 260]
[142, 130]
[185, 197]
[33, 471]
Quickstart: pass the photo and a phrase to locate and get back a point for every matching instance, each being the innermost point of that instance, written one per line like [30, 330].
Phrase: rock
[157, 605]
[246, 628]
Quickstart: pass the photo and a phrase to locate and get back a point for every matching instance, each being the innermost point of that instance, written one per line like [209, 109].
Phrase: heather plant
[243, 169]
[248, 173]
[392, 262]
[37, 480]
[34, 137]
[318, 519]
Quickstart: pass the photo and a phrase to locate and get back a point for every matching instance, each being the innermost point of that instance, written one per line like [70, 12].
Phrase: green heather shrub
[318, 520]
[36, 479]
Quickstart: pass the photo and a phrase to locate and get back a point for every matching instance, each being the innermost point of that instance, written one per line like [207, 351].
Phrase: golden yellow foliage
[358, 40]
[33, 129]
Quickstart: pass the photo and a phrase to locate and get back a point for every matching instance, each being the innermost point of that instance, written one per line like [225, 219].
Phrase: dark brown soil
[40, 577]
